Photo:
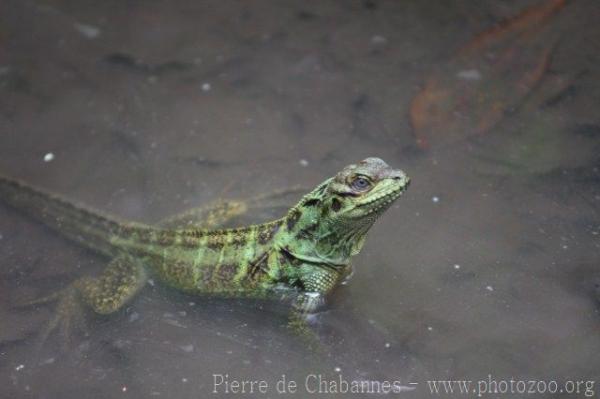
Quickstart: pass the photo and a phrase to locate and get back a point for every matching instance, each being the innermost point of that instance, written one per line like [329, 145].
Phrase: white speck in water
[337, 369]
[20, 367]
[435, 199]
[192, 303]
[89, 31]
[229, 352]
[50, 360]
[303, 162]
[387, 345]
[184, 380]
[564, 246]
[49, 157]
[187, 348]
[469, 74]
[151, 282]
[206, 87]
[489, 288]
[457, 266]
[378, 39]
[429, 328]
[594, 233]
[124, 388]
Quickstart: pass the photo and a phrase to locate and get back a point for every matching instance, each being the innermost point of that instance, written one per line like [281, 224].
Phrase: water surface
[489, 265]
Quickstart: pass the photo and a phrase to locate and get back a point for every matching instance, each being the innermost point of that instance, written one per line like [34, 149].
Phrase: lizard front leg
[316, 283]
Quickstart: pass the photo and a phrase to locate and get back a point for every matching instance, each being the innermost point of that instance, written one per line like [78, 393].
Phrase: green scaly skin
[301, 256]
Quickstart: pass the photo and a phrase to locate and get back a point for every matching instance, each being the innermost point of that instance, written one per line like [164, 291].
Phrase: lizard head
[363, 191]
[333, 220]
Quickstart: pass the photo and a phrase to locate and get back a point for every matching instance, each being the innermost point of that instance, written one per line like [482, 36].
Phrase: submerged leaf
[488, 77]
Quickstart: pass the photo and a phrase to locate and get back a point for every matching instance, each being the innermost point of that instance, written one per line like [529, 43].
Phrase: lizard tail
[90, 228]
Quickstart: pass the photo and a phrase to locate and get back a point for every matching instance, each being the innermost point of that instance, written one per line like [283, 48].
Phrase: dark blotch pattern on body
[181, 273]
[225, 273]
[267, 232]
[336, 205]
[293, 218]
[312, 202]
[215, 244]
[307, 232]
[257, 265]
[165, 238]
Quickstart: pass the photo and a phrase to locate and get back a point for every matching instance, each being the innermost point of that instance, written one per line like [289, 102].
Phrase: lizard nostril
[399, 175]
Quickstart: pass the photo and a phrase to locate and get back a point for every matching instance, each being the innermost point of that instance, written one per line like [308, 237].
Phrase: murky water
[487, 268]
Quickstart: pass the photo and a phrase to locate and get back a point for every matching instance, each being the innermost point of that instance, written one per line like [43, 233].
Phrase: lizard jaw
[383, 200]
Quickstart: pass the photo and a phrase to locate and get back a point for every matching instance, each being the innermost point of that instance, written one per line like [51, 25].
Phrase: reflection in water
[489, 265]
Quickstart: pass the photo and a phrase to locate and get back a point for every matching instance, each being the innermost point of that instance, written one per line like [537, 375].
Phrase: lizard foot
[103, 295]
[67, 318]
[298, 323]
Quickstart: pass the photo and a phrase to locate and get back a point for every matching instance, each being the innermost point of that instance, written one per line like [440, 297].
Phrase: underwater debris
[488, 77]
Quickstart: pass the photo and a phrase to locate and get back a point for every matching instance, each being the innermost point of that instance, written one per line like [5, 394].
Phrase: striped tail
[90, 228]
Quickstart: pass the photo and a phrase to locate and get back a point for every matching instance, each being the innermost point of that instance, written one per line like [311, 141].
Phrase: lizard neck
[306, 235]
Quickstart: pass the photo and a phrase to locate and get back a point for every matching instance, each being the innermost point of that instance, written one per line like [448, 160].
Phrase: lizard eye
[361, 183]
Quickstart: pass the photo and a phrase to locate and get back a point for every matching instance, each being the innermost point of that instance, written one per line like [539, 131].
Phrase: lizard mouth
[383, 200]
